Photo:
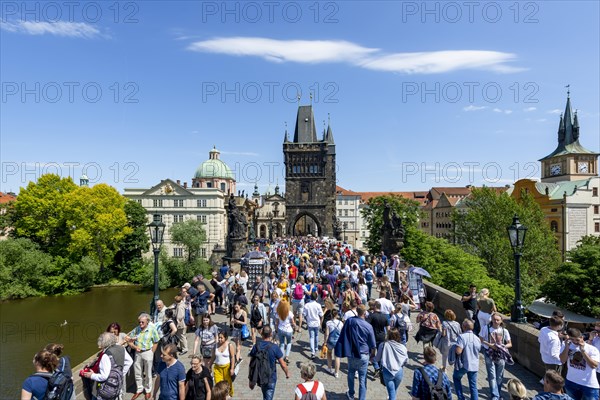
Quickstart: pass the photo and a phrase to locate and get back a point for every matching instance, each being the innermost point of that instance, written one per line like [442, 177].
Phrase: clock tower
[570, 161]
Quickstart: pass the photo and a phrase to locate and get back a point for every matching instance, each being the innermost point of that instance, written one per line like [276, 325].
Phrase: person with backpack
[379, 322]
[392, 355]
[333, 328]
[429, 382]
[198, 381]
[401, 321]
[34, 387]
[170, 376]
[263, 369]
[112, 365]
[369, 277]
[310, 389]
[298, 293]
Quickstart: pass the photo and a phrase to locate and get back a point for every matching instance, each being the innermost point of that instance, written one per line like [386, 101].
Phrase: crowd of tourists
[348, 306]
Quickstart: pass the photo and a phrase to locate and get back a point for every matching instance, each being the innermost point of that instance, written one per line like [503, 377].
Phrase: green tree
[451, 267]
[191, 235]
[575, 286]
[481, 230]
[98, 223]
[39, 213]
[407, 209]
[128, 259]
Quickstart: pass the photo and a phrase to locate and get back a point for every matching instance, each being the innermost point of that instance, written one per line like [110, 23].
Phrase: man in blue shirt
[357, 342]
[170, 375]
[223, 270]
[420, 389]
[275, 355]
[467, 349]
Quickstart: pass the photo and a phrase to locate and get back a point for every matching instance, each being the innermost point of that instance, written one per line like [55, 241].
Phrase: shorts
[297, 306]
[236, 333]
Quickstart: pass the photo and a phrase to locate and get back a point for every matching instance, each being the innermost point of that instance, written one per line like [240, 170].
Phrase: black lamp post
[270, 216]
[516, 235]
[157, 230]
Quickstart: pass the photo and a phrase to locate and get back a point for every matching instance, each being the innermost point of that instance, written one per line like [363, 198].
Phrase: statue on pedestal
[392, 231]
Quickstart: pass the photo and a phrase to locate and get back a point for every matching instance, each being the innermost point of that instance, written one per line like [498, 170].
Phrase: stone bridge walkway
[336, 388]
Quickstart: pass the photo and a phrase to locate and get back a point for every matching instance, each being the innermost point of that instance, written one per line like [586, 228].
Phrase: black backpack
[437, 391]
[60, 386]
[259, 371]
[111, 387]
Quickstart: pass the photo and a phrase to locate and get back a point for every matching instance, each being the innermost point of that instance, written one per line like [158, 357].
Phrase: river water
[27, 325]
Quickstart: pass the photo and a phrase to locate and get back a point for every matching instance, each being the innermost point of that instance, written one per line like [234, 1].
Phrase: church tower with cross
[310, 178]
[570, 161]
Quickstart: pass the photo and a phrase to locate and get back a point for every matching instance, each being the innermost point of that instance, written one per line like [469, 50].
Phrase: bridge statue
[392, 231]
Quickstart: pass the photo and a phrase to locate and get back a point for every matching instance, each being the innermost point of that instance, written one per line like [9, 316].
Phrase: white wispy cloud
[474, 108]
[499, 110]
[64, 29]
[340, 51]
[529, 109]
[555, 111]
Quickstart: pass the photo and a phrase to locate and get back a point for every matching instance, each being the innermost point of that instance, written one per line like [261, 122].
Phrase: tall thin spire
[285, 137]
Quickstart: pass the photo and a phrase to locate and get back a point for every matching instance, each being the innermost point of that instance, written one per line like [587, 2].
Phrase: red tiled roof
[6, 198]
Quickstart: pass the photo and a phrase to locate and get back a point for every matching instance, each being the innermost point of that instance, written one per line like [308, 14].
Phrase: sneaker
[329, 370]
[312, 356]
[336, 375]
[356, 374]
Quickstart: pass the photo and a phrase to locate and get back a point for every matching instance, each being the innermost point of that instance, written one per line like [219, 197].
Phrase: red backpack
[312, 395]
[299, 291]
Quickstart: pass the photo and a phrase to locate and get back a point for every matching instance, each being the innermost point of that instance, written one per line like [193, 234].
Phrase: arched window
[223, 186]
[554, 226]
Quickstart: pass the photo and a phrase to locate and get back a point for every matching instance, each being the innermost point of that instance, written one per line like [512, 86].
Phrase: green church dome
[214, 168]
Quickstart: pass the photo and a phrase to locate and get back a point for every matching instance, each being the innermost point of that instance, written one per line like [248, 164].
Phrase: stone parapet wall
[525, 350]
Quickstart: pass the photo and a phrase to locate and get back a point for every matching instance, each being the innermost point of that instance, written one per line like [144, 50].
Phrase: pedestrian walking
[392, 355]
[262, 353]
[466, 353]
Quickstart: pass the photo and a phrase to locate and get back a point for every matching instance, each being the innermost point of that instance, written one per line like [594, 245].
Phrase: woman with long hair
[224, 360]
[485, 307]
[333, 328]
[35, 385]
[285, 328]
[239, 318]
[206, 336]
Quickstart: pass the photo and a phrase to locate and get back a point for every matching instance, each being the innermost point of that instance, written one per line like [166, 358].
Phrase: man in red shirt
[293, 273]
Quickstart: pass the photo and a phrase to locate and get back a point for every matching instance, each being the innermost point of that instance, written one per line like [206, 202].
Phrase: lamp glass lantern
[157, 230]
[516, 235]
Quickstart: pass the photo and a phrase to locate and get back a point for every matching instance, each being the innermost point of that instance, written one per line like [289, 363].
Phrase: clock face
[555, 169]
[583, 168]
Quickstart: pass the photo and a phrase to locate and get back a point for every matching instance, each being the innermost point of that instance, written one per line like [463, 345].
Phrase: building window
[340, 213]
[345, 213]
[596, 209]
[178, 203]
[345, 202]
[554, 226]
[595, 192]
[597, 227]
[203, 252]
[223, 186]
[201, 218]
[177, 218]
[201, 203]
[139, 201]
[177, 252]
[157, 203]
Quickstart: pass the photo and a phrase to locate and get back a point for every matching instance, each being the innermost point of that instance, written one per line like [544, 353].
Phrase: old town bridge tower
[309, 178]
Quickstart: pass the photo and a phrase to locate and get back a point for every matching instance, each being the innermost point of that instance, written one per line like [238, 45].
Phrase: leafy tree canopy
[191, 235]
[481, 230]
[575, 285]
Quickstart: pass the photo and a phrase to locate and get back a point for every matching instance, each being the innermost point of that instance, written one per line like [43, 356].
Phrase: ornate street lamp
[270, 216]
[157, 230]
[516, 235]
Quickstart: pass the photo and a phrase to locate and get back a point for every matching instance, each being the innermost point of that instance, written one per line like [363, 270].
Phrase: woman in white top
[285, 328]
[223, 361]
[307, 372]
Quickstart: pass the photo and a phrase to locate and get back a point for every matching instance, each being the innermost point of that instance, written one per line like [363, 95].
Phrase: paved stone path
[336, 388]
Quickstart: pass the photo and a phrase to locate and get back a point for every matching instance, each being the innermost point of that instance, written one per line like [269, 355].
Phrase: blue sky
[418, 94]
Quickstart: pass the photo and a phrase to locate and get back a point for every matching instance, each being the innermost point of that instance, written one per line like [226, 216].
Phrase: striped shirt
[145, 338]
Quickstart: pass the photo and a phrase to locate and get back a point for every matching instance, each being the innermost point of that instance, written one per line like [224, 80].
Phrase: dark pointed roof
[305, 131]
[285, 137]
[329, 135]
[568, 135]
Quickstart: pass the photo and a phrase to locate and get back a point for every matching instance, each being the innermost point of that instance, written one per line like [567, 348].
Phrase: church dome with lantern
[214, 173]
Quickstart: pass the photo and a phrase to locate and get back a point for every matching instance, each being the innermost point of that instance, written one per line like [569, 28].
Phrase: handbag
[206, 351]
[245, 332]
[437, 340]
